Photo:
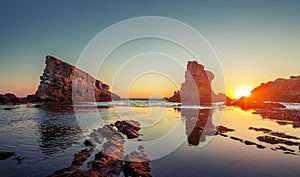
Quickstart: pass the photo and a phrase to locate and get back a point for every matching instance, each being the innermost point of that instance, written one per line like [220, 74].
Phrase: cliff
[62, 82]
[280, 90]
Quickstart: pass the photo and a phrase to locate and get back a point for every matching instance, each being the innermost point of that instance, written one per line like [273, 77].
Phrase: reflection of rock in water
[198, 124]
[58, 128]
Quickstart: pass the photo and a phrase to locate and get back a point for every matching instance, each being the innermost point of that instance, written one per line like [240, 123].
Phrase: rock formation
[9, 98]
[62, 82]
[280, 90]
[196, 89]
[111, 160]
[175, 97]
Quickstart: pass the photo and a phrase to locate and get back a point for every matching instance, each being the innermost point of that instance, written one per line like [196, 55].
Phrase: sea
[179, 140]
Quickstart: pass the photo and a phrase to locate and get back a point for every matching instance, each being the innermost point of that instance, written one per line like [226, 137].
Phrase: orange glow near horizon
[151, 86]
[243, 91]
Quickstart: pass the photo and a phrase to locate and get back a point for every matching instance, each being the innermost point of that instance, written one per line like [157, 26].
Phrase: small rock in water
[260, 146]
[128, 127]
[88, 143]
[284, 149]
[19, 159]
[6, 155]
[265, 130]
[222, 129]
[235, 138]
[249, 142]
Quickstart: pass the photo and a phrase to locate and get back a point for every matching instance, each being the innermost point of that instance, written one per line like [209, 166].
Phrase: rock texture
[196, 89]
[62, 82]
[283, 90]
[111, 160]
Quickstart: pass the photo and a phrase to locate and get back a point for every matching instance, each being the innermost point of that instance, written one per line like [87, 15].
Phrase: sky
[255, 41]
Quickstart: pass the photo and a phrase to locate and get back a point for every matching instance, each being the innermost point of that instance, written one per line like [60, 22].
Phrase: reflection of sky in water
[48, 140]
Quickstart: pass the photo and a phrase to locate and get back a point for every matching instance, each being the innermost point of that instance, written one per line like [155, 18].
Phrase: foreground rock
[137, 164]
[280, 90]
[128, 127]
[61, 82]
[111, 160]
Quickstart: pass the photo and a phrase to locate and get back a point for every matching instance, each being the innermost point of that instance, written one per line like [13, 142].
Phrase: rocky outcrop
[280, 90]
[196, 89]
[111, 160]
[128, 127]
[9, 98]
[175, 97]
[62, 82]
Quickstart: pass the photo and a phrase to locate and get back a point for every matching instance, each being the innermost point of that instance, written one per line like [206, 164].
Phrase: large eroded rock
[196, 89]
[62, 82]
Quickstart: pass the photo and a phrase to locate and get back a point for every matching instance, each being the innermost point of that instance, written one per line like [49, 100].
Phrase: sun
[243, 91]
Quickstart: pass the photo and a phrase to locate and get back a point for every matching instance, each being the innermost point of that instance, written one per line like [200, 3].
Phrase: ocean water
[179, 140]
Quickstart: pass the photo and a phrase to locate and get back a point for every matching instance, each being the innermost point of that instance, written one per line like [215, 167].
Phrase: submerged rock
[265, 130]
[278, 134]
[223, 129]
[78, 160]
[273, 140]
[282, 116]
[6, 155]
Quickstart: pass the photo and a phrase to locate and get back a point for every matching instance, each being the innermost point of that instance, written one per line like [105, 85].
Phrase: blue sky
[256, 41]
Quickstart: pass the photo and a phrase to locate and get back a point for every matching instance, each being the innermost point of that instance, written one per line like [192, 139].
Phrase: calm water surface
[48, 137]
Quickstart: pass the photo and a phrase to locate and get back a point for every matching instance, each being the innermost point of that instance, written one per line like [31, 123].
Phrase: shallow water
[48, 137]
